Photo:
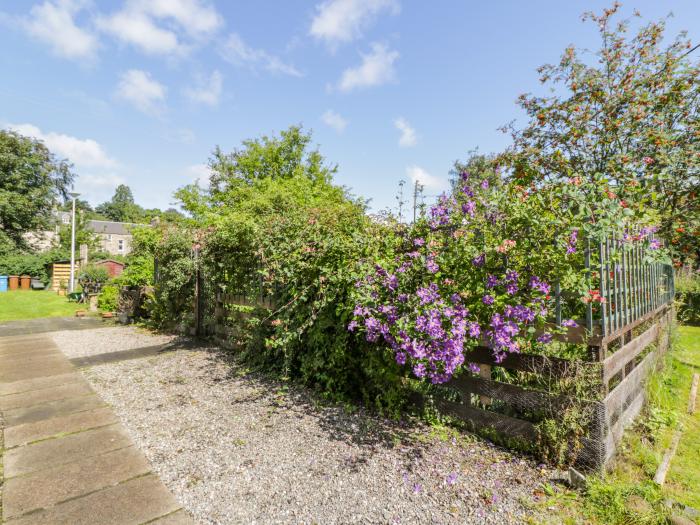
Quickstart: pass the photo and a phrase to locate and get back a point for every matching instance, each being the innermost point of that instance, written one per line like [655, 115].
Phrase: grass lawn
[30, 304]
[628, 494]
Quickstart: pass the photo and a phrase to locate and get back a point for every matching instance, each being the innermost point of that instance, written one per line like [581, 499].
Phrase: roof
[103, 261]
[110, 227]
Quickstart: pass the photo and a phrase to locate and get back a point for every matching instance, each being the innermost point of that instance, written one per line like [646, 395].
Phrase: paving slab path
[67, 459]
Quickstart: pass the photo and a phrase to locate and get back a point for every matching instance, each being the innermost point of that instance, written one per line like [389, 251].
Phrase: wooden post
[197, 293]
[485, 372]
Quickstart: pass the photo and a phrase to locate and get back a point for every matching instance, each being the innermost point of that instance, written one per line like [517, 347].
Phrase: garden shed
[114, 268]
[60, 273]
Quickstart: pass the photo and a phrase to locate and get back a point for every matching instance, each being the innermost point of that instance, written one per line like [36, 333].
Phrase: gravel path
[238, 448]
[81, 343]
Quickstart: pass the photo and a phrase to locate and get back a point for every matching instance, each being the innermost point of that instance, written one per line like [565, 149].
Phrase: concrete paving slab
[176, 518]
[45, 395]
[131, 503]
[67, 458]
[48, 487]
[30, 432]
[35, 340]
[62, 450]
[23, 349]
[27, 385]
[49, 324]
[17, 371]
[30, 359]
[19, 416]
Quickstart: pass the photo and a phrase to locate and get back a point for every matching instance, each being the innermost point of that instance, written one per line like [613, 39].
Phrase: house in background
[113, 237]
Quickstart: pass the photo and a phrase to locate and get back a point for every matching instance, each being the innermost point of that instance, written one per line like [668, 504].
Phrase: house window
[120, 245]
[109, 236]
[66, 219]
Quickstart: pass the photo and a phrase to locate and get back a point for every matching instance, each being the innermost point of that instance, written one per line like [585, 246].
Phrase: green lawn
[31, 304]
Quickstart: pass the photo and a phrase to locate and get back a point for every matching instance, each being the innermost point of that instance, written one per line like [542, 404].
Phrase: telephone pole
[417, 189]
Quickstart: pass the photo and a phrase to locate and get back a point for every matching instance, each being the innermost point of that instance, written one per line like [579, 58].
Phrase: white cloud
[98, 188]
[334, 120]
[408, 136]
[53, 22]
[199, 173]
[377, 68]
[237, 52]
[344, 20]
[160, 27]
[84, 153]
[140, 89]
[430, 182]
[195, 17]
[133, 26]
[208, 91]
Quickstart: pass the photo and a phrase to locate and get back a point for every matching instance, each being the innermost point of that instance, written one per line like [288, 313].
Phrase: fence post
[197, 293]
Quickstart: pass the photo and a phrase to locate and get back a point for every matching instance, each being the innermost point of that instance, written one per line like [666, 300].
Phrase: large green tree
[32, 181]
[626, 118]
[121, 207]
[278, 157]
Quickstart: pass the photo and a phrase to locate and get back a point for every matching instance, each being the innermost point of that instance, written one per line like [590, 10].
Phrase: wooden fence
[625, 334]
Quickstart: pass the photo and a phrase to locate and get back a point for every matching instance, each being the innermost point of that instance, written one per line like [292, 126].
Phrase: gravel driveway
[235, 447]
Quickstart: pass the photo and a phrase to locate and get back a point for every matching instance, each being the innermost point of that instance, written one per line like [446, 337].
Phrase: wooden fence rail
[626, 335]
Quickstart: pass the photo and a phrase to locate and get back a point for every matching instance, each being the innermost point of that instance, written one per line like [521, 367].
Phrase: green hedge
[34, 264]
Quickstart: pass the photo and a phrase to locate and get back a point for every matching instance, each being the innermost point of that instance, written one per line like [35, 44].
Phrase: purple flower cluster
[500, 335]
[539, 285]
[431, 323]
[431, 328]
[571, 243]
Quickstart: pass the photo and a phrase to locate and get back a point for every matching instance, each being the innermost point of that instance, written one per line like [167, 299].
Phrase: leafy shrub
[33, 264]
[108, 299]
[92, 277]
[688, 295]
[174, 289]
[140, 262]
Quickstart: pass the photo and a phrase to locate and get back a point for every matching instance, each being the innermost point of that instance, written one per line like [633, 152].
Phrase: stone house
[113, 237]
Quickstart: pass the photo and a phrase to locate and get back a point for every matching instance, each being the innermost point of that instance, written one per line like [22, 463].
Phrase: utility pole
[417, 189]
[399, 197]
[72, 244]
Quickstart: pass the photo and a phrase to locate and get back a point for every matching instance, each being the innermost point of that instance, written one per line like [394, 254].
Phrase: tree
[121, 207]
[285, 156]
[32, 180]
[627, 122]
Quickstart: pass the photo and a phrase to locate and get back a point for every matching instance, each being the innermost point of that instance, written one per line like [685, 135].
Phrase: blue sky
[140, 92]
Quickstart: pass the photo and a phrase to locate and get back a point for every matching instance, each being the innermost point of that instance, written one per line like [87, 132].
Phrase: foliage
[478, 270]
[33, 264]
[121, 207]
[174, 288]
[625, 124]
[688, 295]
[286, 156]
[93, 275]
[274, 225]
[31, 180]
[140, 261]
[108, 299]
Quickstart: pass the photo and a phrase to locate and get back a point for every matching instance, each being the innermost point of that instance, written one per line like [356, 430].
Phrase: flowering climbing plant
[458, 281]
[479, 269]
